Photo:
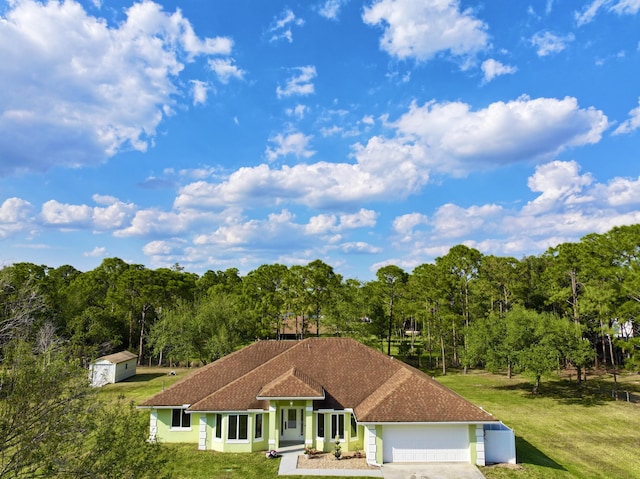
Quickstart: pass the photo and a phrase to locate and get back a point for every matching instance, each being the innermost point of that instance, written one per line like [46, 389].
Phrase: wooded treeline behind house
[575, 305]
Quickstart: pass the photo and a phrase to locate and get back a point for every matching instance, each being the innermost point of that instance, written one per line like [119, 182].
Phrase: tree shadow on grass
[566, 392]
[528, 454]
[141, 378]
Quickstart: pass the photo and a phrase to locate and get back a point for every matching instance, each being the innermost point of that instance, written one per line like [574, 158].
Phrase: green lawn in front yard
[565, 432]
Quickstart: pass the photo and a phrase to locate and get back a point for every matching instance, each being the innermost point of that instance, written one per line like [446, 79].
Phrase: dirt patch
[328, 461]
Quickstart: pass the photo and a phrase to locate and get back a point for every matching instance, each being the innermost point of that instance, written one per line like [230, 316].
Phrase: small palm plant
[337, 450]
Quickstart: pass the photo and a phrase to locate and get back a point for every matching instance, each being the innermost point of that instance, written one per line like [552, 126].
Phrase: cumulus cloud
[493, 68]
[460, 140]
[15, 216]
[89, 90]
[557, 181]
[300, 84]
[448, 138]
[405, 224]
[421, 30]
[547, 43]
[114, 214]
[290, 144]
[226, 69]
[631, 124]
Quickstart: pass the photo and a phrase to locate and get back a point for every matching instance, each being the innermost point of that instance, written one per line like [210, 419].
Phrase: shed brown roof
[352, 375]
[117, 358]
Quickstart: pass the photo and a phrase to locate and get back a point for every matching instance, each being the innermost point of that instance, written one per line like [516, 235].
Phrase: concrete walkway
[289, 467]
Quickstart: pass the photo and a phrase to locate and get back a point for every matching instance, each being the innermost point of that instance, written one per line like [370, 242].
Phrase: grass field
[565, 432]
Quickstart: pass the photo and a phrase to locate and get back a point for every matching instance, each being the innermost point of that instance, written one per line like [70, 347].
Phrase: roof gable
[292, 384]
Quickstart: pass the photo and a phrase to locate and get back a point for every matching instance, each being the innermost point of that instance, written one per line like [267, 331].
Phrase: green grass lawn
[565, 432]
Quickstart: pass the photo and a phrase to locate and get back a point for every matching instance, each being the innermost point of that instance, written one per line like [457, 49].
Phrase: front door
[292, 424]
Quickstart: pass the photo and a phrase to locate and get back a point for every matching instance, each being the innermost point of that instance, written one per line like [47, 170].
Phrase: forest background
[574, 308]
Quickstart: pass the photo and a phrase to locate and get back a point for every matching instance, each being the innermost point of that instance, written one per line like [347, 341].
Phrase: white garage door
[448, 443]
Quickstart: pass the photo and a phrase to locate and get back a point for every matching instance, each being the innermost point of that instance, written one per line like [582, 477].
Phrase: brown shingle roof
[377, 387]
[117, 358]
[292, 384]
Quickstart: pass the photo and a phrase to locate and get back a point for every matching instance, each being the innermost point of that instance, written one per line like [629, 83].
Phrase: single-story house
[112, 368]
[276, 393]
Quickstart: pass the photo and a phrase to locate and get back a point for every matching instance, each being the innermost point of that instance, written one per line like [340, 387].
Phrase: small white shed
[112, 368]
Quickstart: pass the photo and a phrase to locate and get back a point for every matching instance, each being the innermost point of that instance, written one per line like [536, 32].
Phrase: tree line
[574, 305]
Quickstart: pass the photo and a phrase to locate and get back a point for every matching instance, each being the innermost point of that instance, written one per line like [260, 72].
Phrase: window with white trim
[180, 419]
[237, 427]
[258, 426]
[337, 425]
[218, 426]
[320, 424]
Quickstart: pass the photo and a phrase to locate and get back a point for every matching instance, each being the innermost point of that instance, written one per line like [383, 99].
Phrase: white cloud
[199, 91]
[330, 9]
[158, 247]
[290, 144]
[300, 84]
[493, 68]
[112, 216]
[405, 224]
[621, 7]
[299, 111]
[277, 231]
[547, 43]
[359, 247]
[15, 216]
[226, 69]
[88, 89]
[321, 224]
[97, 252]
[619, 192]
[60, 214]
[362, 219]
[420, 30]
[558, 181]
[445, 137]
[459, 140]
[281, 27]
[631, 124]
[453, 221]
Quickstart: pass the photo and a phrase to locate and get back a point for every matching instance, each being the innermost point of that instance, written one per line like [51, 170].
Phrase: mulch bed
[328, 461]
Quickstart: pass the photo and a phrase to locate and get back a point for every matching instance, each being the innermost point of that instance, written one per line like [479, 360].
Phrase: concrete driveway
[431, 471]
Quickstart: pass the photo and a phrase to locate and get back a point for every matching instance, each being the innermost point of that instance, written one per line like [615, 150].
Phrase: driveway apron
[431, 471]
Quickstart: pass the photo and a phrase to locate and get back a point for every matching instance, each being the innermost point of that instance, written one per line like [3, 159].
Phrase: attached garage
[426, 443]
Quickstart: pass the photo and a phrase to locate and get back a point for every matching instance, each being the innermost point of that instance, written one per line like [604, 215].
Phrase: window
[337, 425]
[354, 426]
[237, 429]
[258, 426]
[219, 426]
[180, 418]
[320, 425]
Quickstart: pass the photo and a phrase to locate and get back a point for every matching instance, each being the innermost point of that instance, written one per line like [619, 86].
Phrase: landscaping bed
[328, 461]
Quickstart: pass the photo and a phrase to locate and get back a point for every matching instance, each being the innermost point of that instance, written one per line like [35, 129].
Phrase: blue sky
[235, 134]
